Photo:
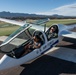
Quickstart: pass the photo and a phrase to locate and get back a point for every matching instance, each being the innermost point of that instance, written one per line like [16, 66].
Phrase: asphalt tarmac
[47, 64]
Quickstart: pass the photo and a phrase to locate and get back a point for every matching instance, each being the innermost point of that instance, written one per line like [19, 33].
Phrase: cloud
[67, 10]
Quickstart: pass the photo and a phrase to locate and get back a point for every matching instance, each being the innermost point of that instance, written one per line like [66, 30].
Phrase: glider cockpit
[13, 46]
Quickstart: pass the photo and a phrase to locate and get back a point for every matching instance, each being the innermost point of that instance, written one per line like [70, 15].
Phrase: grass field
[61, 21]
[7, 29]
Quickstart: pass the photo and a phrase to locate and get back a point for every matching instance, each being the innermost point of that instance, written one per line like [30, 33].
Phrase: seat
[40, 35]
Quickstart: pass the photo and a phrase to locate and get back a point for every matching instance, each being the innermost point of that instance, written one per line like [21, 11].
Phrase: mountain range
[9, 14]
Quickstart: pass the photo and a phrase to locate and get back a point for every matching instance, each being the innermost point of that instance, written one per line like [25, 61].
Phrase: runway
[60, 60]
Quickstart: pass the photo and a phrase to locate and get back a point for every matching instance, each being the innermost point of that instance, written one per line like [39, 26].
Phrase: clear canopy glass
[16, 39]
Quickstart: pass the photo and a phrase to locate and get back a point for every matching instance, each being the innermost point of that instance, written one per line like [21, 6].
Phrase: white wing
[70, 35]
[13, 21]
[35, 25]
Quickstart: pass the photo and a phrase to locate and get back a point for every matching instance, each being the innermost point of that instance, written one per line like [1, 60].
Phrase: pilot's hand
[30, 46]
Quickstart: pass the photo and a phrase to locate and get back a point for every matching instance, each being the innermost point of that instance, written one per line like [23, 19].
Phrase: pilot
[52, 33]
[34, 44]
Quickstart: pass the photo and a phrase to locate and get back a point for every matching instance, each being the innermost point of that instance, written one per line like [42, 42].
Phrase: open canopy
[16, 39]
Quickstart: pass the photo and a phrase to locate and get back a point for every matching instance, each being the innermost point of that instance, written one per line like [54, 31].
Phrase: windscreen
[16, 33]
[16, 39]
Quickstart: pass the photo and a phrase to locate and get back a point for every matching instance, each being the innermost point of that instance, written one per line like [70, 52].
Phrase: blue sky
[44, 7]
